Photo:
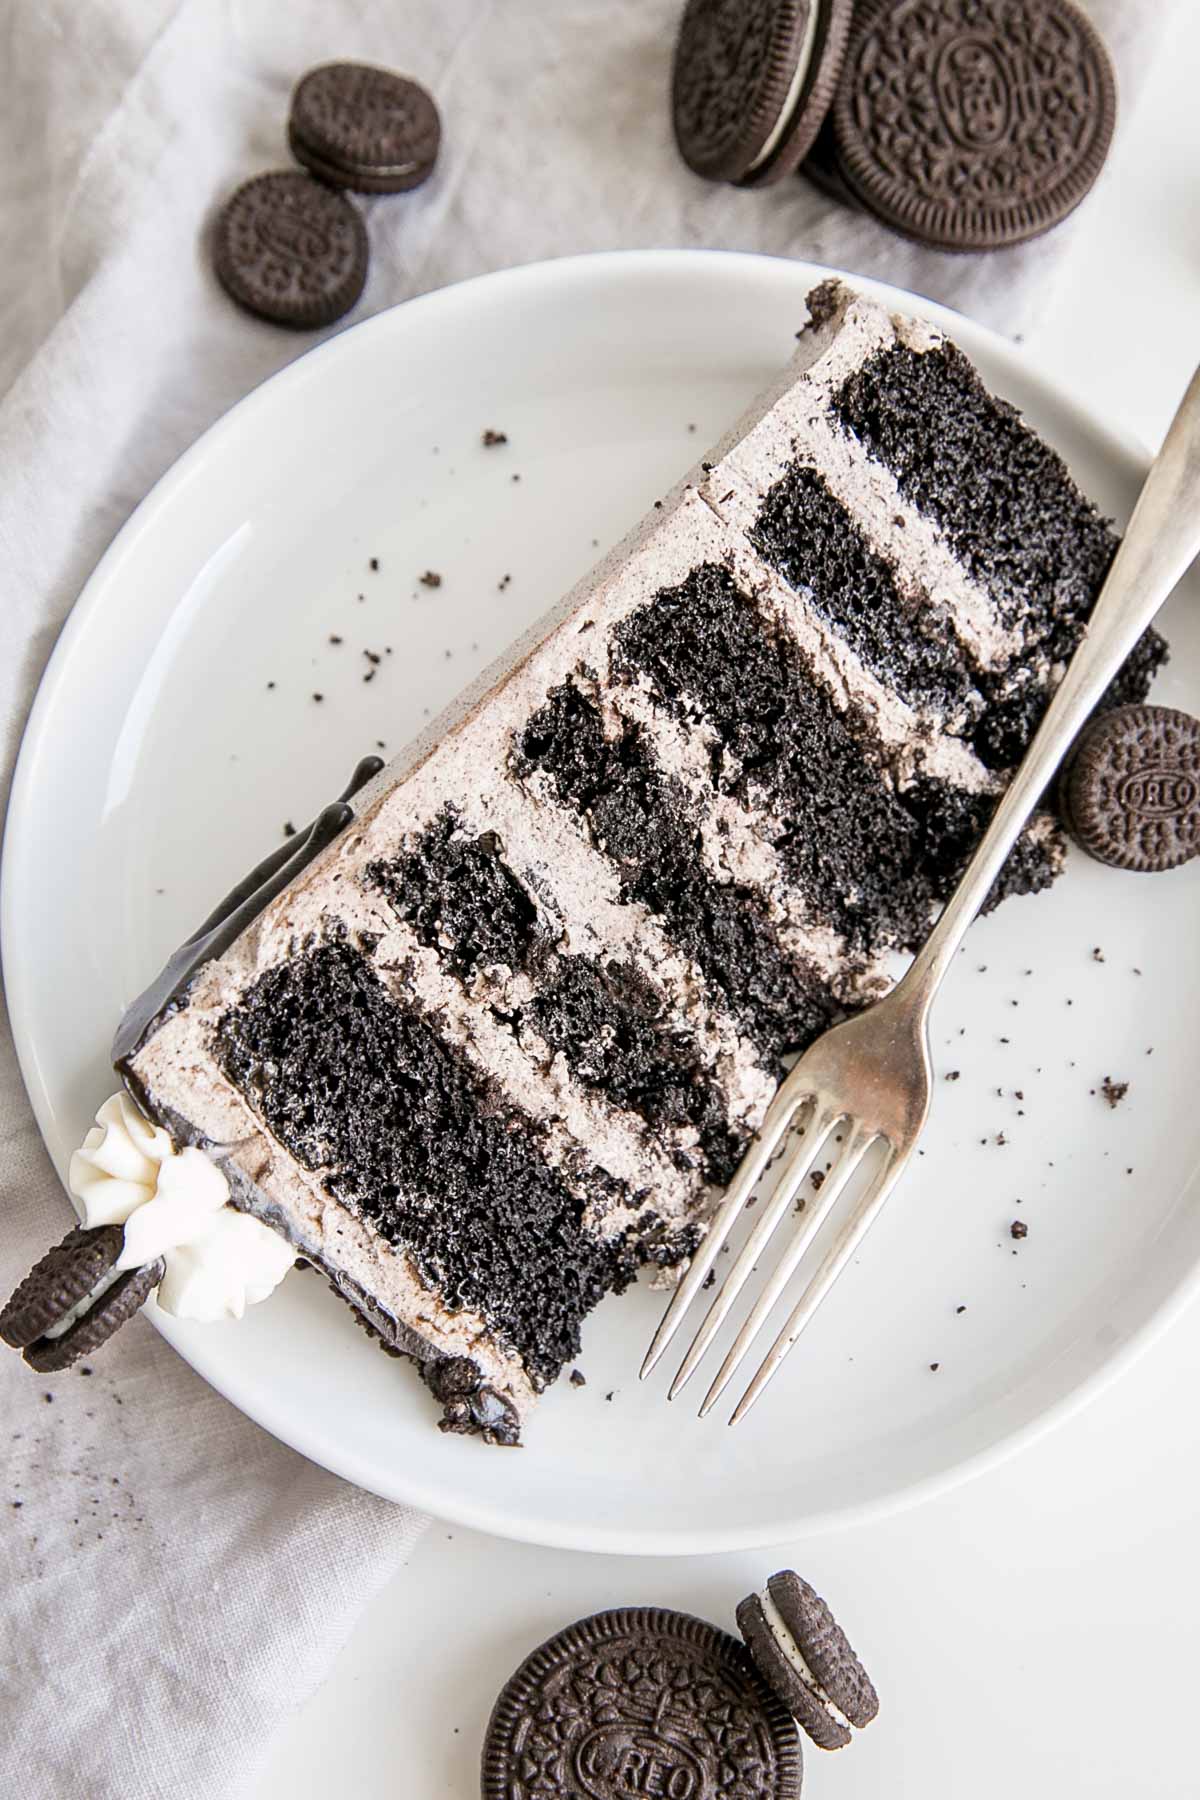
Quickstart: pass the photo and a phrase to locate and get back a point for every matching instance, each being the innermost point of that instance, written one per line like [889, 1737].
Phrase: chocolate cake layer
[637, 816]
[498, 1044]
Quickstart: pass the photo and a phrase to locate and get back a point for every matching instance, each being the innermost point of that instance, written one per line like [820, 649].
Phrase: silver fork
[867, 1082]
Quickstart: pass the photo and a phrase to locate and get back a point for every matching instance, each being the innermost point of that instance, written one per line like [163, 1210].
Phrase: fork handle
[1159, 546]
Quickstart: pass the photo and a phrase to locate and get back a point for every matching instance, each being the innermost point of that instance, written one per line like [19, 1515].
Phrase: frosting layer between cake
[498, 1046]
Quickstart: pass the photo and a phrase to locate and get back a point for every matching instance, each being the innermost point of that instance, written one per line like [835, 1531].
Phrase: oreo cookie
[802, 1651]
[640, 1701]
[973, 124]
[290, 250]
[1130, 793]
[357, 126]
[73, 1300]
[752, 83]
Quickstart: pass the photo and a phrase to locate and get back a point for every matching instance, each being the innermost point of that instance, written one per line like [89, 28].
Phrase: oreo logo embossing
[1157, 792]
[615, 1762]
[973, 93]
[294, 236]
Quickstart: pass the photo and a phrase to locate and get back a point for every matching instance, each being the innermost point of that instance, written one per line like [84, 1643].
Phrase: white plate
[157, 767]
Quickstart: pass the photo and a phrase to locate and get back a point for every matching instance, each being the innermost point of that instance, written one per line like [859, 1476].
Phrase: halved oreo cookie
[357, 126]
[291, 250]
[752, 83]
[800, 1648]
[973, 124]
[640, 1701]
[1130, 792]
[75, 1298]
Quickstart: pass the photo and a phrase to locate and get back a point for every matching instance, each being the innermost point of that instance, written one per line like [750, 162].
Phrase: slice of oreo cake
[493, 1050]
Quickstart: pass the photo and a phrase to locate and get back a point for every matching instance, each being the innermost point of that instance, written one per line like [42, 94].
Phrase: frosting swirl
[174, 1204]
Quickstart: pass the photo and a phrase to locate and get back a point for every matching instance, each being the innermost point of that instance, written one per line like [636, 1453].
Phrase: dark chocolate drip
[240, 907]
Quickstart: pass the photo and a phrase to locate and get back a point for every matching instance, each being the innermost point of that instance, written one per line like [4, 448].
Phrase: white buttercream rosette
[174, 1204]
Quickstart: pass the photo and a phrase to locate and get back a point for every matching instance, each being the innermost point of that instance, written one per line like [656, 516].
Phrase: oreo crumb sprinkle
[578, 1378]
[374, 565]
[334, 638]
[934, 1367]
[1114, 1091]
[430, 579]
[1018, 1229]
[491, 439]
[289, 830]
[318, 698]
[953, 1074]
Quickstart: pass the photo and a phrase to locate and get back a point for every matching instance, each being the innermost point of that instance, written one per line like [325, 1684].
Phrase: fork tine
[855, 1149]
[831, 1266]
[780, 1114]
[800, 1159]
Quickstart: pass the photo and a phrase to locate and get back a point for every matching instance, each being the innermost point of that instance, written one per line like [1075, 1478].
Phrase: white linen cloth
[172, 1580]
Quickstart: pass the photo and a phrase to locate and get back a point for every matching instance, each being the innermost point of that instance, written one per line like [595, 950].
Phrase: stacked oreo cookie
[646, 1701]
[968, 125]
[290, 246]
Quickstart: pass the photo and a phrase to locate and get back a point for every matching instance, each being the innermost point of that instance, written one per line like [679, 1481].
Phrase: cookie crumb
[374, 565]
[430, 579]
[953, 1074]
[289, 830]
[934, 1367]
[818, 1180]
[270, 684]
[491, 439]
[960, 1309]
[334, 638]
[1114, 1091]
[1097, 954]
[318, 698]
[1018, 1229]
[578, 1378]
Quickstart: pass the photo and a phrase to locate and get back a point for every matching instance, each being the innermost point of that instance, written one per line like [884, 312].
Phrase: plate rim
[463, 1508]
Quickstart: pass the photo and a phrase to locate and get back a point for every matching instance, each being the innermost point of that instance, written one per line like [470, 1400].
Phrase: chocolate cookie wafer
[802, 1651]
[1130, 792]
[74, 1298]
[291, 250]
[752, 83]
[640, 1701]
[357, 126]
[973, 124]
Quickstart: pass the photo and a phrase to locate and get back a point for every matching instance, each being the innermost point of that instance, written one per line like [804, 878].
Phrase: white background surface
[1033, 1632]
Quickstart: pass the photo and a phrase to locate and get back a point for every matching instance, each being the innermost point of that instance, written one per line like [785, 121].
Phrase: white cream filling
[803, 60]
[788, 1648]
[173, 1204]
[96, 1292]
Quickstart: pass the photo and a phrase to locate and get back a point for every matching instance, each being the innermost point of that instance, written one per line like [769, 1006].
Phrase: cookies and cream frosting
[174, 1204]
[790, 1650]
